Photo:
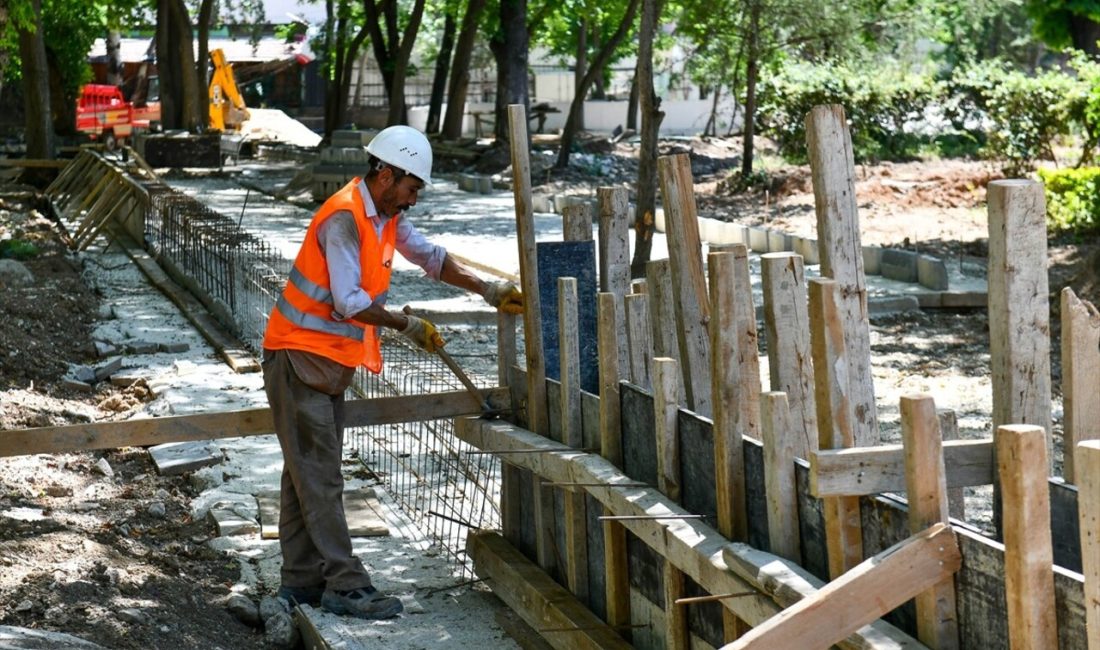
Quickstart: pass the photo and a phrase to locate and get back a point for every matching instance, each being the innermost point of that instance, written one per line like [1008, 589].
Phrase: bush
[881, 105]
[1073, 199]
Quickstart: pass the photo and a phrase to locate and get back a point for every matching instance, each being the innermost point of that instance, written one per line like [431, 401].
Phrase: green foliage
[1073, 199]
[1021, 114]
[1054, 19]
[69, 29]
[17, 249]
[881, 103]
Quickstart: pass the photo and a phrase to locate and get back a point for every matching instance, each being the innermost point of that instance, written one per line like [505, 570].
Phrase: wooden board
[1088, 458]
[364, 512]
[872, 470]
[545, 605]
[1080, 375]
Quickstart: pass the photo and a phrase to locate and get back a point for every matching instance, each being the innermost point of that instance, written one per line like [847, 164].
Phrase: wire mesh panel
[445, 490]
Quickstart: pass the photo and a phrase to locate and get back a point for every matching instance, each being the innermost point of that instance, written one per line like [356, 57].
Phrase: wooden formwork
[771, 519]
[92, 192]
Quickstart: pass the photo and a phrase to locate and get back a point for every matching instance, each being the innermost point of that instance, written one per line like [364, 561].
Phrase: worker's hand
[505, 296]
[423, 333]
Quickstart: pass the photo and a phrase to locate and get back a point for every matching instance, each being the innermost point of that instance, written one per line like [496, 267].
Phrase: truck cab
[104, 114]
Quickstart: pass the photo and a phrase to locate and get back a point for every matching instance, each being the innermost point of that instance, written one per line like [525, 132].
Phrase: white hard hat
[405, 148]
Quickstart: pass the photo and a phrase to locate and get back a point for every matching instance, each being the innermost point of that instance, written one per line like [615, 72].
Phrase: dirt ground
[93, 553]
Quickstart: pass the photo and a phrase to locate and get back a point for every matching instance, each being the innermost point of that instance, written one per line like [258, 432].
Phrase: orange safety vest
[302, 318]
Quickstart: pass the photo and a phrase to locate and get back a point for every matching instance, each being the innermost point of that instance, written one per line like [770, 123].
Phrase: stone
[880, 305]
[123, 381]
[74, 384]
[104, 349]
[134, 616]
[15, 275]
[176, 458]
[932, 273]
[105, 370]
[81, 373]
[270, 606]
[230, 521]
[281, 632]
[103, 467]
[899, 265]
[157, 509]
[872, 260]
[105, 312]
[24, 606]
[175, 347]
[244, 609]
[59, 491]
[141, 347]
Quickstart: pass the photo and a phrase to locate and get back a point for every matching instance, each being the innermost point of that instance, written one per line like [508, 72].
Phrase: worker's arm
[339, 239]
[458, 275]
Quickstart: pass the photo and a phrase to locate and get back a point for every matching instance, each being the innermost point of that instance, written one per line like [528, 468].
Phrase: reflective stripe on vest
[316, 323]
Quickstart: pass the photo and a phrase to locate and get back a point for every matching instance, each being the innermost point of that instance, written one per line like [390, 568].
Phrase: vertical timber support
[612, 205]
[926, 491]
[689, 283]
[639, 340]
[780, 440]
[787, 328]
[1080, 376]
[537, 415]
[1088, 507]
[576, 222]
[949, 430]
[832, 167]
[576, 522]
[662, 313]
[666, 402]
[1029, 556]
[510, 475]
[836, 422]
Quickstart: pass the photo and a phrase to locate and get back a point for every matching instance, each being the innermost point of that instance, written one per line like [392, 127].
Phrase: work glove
[423, 333]
[505, 296]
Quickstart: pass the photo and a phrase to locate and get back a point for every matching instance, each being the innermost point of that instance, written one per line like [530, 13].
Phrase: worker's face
[398, 195]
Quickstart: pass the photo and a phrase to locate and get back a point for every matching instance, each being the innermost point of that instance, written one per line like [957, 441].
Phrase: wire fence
[443, 489]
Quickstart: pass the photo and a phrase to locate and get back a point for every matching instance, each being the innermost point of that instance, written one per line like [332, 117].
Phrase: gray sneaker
[366, 602]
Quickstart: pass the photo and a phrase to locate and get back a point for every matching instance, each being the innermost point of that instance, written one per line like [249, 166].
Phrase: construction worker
[323, 327]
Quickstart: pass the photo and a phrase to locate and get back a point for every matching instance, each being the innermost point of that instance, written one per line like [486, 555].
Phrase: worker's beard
[388, 206]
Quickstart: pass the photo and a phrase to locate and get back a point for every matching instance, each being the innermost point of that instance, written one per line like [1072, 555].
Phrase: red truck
[104, 114]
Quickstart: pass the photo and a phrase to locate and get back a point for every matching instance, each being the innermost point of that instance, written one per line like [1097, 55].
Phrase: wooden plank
[33, 163]
[872, 470]
[692, 546]
[1029, 577]
[780, 441]
[1019, 306]
[926, 491]
[666, 403]
[949, 429]
[836, 420]
[731, 401]
[832, 169]
[1088, 482]
[230, 424]
[576, 222]
[865, 593]
[572, 434]
[544, 604]
[787, 328]
[639, 340]
[662, 313]
[510, 516]
[614, 245]
[1080, 375]
[689, 283]
[71, 166]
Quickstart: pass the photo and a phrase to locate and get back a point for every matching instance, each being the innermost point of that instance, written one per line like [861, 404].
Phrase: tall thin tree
[647, 153]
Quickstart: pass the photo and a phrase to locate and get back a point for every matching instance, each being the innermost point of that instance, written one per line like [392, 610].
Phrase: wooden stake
[1080, 376]
[949, 428]
[1088, 509]
[662, 313]
[790, 363]
[577, 222]
[926, 491]
[780, 440]
[612, 204]
[685, 253]
[728, 397]
[575, 515]
[843, 537]
[832, 169]
[639, 341]
[666, 402]
[1029, 557]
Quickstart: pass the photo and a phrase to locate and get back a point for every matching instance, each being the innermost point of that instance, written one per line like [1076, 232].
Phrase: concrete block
[708, 229]
[880, 305]
[659, 219]
[758, 239]
[872, 260]
[542, 202]
[231, 521]
[723, 233]
[174, 347]
[964, 299]
[779, 242]
[485, 184]
[807, 248]
[899, 265]
[175, 458]
[105, 370]
[932, 273]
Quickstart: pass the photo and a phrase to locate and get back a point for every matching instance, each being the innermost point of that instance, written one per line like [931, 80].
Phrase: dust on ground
[117, 558]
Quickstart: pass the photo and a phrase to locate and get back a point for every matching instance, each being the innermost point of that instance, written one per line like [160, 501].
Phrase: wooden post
[537, 415]
[617, 578]
[729, 397]
[511, 519]
[832, 169]
[1029, 557]
[1080, 376]
[1088, 509]
[949, 430]
[662, 313]
[835, 418]
[1019, 307]
[576, 222]
[614, 243]
[780, 440]
[576, 520]
[639, 341]
[787, 324]
[926, 491]
[666, 403]
[690, 289]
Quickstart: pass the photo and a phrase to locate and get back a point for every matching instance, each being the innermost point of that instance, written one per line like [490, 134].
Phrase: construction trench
[646, 489]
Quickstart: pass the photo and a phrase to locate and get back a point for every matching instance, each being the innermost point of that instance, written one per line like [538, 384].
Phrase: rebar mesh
[445, 490]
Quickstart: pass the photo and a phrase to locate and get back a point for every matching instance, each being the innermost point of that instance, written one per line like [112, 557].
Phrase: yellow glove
[423, 333]
[505, 296]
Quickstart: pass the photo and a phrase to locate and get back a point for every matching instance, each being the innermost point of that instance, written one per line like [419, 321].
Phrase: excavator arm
[227, 108]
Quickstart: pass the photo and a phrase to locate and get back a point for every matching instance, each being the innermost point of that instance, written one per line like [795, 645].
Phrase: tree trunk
[114, 57]
[513, 72]
[580, 70]
[439, 81]
[398, 109]
[383, 44]
[632, 104]
[711, 129]
[180, 97]
[602, 57]
[202, 62]
[1085, 33]
[329, 43]
[752, 67]
[36, 88]
[62, 103]
[647, 153]
[460, 71]
[599, 89]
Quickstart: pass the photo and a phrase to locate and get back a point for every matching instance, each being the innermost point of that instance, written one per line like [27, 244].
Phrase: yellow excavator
[227, 109]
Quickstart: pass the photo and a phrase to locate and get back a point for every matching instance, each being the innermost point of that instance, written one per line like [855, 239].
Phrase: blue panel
[575, 259]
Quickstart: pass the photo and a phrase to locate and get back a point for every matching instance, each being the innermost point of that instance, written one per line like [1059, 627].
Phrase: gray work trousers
[313, 531]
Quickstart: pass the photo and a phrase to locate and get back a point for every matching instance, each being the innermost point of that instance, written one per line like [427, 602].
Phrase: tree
[442, 66]
[27, 18]
[602, 58]
[647, 153]
[392, 49]
[511, 53]
[182, 102]
[460, 70]
[1068, 23]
